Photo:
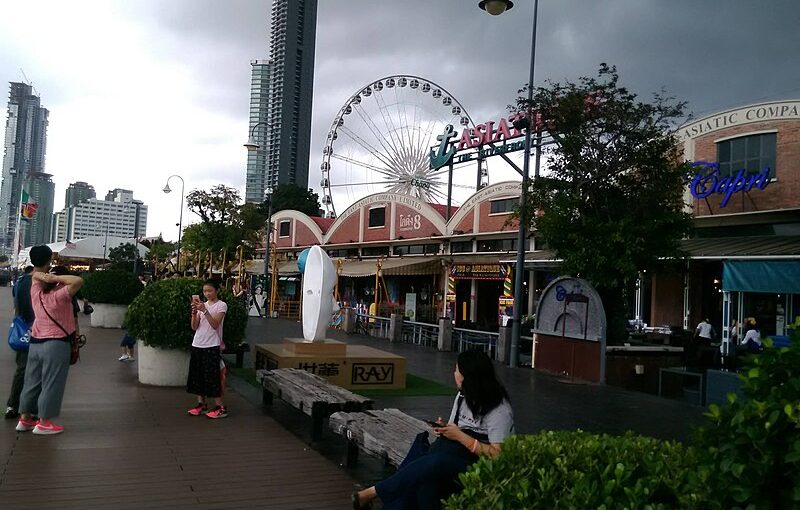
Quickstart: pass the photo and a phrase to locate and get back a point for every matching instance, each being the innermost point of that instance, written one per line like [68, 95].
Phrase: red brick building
[449, 263]
[745, 197]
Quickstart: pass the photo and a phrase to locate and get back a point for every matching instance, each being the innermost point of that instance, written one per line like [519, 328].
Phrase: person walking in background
[206, 368]
[752, 337]
[21, 292]
[54, 329]
[705, 331]
[127, 347]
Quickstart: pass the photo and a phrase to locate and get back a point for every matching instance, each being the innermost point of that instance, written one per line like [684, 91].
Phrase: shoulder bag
[76, 342]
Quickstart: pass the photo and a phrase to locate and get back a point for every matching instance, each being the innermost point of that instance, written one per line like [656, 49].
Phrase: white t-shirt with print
[206, 336]
[497, 424]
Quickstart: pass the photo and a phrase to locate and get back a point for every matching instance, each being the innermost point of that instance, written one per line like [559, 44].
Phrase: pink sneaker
[218, 412]
[25, 425]
[198, 410]
[46, 429]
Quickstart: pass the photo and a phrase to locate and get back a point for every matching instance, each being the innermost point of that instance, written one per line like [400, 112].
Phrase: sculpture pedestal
[350, 366]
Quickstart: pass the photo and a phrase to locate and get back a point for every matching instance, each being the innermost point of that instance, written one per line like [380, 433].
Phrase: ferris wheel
[380, 141]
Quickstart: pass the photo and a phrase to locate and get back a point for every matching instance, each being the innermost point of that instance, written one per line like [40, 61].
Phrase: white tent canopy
[97, 247]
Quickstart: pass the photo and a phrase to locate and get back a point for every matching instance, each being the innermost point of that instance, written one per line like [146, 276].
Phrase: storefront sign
[779, 110]
[707, 181]
[475, 138]
[478, 271]
[411, 306]
[410, 222]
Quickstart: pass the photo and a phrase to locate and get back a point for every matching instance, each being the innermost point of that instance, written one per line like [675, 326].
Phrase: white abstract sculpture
[319, 278]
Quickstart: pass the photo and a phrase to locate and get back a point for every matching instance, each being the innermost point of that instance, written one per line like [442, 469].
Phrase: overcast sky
[141, 90]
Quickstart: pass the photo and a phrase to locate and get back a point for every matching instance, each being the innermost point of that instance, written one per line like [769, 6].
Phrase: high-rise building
[24, 158]
[119, 215]
[41, 190]
[78, 192]
[292, 40]
[257, 179]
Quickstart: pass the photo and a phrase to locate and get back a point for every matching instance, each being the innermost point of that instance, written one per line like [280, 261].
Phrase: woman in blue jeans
[480, 420]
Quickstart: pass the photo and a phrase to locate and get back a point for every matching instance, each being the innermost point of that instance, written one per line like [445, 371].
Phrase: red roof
[324, 223]
[442, 209]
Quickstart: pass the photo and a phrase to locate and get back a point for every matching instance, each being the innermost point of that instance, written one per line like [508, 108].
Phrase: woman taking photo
[480, 420]
[206, 365]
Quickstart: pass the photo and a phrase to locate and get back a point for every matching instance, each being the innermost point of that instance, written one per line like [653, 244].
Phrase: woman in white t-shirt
[206, 365]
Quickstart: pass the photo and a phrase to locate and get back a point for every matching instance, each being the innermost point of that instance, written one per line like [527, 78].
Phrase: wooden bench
[386, 434]
[309, 393]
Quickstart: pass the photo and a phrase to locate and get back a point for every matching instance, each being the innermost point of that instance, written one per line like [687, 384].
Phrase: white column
[473, 301]
[531, 291]
[726, 320]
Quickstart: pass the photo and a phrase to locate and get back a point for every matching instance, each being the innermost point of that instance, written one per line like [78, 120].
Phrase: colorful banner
[27, 208]
[507, 286]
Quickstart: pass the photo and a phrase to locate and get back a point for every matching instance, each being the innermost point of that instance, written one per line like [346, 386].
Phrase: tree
[225, 223]
[122, 257]
[290, 196]
[611, 202]
[160, 248]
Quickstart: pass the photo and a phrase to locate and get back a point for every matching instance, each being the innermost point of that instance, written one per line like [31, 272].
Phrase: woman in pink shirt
[51, 342]
[206, 365]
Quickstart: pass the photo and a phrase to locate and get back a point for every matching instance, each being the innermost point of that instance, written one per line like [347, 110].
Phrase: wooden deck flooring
[129, 446]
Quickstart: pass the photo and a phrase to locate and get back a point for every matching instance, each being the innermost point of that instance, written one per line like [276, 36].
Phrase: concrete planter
[108, 316]
[162, 367]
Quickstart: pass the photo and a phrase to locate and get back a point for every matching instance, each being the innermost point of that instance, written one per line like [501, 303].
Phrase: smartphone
[433, 423]
[196, 298]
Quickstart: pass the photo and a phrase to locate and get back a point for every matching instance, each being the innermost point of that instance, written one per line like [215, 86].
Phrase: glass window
[461, 247]
[343, 253]
[377, 217]
[497, 245]
[505, 205]
[417, 249]
[751, 153]
[375, 251]
[284, 229]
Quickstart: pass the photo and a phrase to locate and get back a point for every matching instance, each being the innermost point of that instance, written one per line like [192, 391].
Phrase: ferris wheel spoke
[382, 171]
[383, 157]
[372, 127]
[390, 127]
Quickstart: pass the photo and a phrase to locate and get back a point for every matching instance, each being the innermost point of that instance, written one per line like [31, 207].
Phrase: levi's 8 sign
[708, 181]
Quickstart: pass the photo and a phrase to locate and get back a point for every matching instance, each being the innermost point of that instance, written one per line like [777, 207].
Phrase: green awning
[770, 276]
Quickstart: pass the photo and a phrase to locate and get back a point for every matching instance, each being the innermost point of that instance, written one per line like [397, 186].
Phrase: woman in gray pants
[51, 342]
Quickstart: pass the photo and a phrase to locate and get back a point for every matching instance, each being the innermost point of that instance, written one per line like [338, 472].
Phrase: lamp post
[268, 252]
[495, 8]
[167, 189]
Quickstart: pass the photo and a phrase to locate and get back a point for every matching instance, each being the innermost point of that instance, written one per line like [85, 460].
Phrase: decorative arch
[506, 189]
[300, 217]
[423, 208]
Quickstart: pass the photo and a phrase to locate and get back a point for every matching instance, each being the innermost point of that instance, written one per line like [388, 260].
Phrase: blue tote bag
[19, 334]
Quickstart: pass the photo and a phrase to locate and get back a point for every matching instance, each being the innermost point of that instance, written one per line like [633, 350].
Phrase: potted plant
[160, 319]
[110, 293]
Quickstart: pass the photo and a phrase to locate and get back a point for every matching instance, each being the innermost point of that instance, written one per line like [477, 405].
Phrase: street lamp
[167, 189]
[251, 144]
[496, 7]
[268, 253]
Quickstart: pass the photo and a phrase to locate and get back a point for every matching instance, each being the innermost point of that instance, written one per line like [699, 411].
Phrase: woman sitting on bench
[479, 422]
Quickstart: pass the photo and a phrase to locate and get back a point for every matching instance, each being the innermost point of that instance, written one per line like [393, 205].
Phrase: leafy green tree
[225, 223]
[610, 202]
[290, 196]
[160, 248]
[122, 257]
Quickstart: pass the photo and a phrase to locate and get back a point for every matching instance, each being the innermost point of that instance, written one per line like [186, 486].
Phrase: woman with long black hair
[480, 420]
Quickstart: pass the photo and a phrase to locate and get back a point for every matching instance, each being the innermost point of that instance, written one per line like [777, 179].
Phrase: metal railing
[372, 325]
[420, 333]
[470, 339]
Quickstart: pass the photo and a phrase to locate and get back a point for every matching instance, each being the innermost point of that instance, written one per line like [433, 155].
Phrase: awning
[406, 266]
[774, 276]
[751, 247]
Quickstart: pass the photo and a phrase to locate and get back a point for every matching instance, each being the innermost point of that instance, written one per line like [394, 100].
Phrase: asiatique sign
[477, 138]
[707, 181]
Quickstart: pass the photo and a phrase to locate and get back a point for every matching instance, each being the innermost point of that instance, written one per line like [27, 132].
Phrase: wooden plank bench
[309, 393]
[386, 434]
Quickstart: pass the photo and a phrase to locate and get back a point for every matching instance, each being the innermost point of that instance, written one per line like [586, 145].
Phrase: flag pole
[19, 223]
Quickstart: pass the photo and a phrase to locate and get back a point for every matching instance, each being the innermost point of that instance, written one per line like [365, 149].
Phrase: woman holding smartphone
[479, 422]
[205, 365]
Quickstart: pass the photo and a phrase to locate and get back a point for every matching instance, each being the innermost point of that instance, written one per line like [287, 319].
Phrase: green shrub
[161, 315]
[750, 450]
[111, 287]
[576, 469]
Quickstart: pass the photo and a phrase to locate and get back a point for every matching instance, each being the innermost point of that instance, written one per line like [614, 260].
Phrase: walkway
[128, 446]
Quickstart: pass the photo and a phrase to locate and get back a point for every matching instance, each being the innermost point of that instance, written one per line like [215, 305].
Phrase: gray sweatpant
[45, 378]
